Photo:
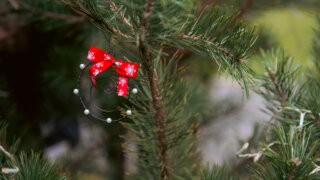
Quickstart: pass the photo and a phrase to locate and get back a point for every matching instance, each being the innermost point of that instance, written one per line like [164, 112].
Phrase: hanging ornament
[101, 62]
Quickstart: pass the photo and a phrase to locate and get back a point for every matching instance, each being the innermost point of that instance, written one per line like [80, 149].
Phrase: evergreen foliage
[294, 159]
[164, 126]
[164, 24]
[180, 126]
[292, 147]
[33, 166]
[217, 172]
[27, 166]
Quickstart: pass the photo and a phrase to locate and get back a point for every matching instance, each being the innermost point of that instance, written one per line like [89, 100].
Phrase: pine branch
[153, 79]
[271, 75]
[28, 166]
[50, 14]
[293, 172]
[78, 7]
[292, 159]
[278, 86]
[227, 53]
[65, 17]
[114, 8]
[157, 25]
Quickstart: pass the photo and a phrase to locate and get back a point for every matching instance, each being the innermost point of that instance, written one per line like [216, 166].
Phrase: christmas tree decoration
[76, 91]
[129, 112]
[82, 66]
[86, 112]
[109, 120]
[134, 90]
[124, 70]
[103, 61]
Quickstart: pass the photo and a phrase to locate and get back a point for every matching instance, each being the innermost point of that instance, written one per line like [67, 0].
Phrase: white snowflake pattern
[123, 81]
[96, 72]
[121, 92]
[130, 70]
[107, 57]
[91, 56]
[118, 64]
[99, 65]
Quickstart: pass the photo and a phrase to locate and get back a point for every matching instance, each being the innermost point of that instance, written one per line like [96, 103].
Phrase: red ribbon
[103, 61]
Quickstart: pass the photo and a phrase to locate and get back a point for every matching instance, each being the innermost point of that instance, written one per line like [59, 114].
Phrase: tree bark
[153, 78]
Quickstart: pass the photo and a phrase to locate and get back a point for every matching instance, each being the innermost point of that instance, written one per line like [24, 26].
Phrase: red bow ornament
[103, 61]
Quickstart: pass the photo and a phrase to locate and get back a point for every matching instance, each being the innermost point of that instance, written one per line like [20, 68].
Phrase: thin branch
[87, 15]
[146, 15]
[271, 75]
[242, 11]
[80, 9]
[257, 156]
[316, 169]
[118, 32]
[65, 17]
[302, 113]
[314, 119]
[201, 9]
[203, 6]
[224, 51]
[114, 8]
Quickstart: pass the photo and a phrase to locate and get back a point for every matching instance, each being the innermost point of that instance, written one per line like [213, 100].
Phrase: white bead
[109, 120]
[134, 90]
[76, 91]
[82, 66]
[86, 112]
[129, 112]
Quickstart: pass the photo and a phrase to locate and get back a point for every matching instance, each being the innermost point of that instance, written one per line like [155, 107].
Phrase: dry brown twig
[13, 170]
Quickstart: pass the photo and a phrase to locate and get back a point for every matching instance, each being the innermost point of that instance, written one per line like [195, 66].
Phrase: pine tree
[163, 128]
[165, 124]
[290, 145]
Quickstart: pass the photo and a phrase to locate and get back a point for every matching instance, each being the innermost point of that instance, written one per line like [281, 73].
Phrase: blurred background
[43, 42]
